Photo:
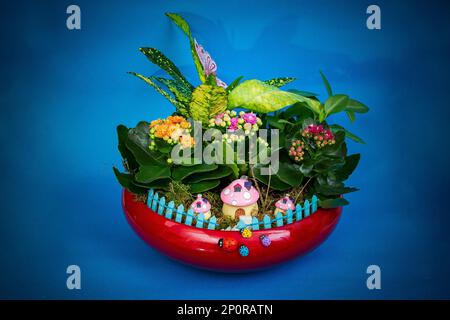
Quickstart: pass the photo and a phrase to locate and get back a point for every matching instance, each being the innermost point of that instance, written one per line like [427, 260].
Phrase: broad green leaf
[165, 94]
[148, 174]
[327, 84]
[351, 162]
[220, 172]
[279, 82]
[181, 172]
[138, 143]
[203, 186]
[126, 181]
[333, 203]
[122, 136]
[299, 110]
[207, 101]
[258, 96]
[158, 58]
[184, 26]
[275, 123]
[274, 182]
[356, 106]
[335, 104]
[290, 174]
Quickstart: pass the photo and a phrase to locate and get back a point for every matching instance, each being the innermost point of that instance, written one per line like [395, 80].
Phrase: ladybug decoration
[243, 251]
[246, 233]
[265, 240]
[228, 244]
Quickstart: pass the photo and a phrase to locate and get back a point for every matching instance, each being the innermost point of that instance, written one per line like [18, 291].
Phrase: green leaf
[207, 101]
[274, 181]
[180, 92]
[350, 115]
[204, 186]
[158, 58]
[234, 169]
[138, 144]
[356, 106]
[274, 122]
[184, 26]
[258, 96]
[234, 84]
[351, 162]
[328, 190]
[304, 93]
[353, 137]
[127, 155]
[165, 94]
[279, 82]
[148, 174]
[220, 172]
[333, 203]
[335, 104]
[327, 84]
[126, 181]
[336, 128]
[299, 110]
[306, 168]
[181, 172]
[290, 174]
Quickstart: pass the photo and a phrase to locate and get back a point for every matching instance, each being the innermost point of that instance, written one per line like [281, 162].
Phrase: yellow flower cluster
[174, 129]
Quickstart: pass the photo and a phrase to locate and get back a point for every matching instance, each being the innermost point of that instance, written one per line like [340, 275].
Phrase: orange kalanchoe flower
[174, 129]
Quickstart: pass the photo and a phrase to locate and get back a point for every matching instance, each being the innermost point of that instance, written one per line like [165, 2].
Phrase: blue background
[63, 93]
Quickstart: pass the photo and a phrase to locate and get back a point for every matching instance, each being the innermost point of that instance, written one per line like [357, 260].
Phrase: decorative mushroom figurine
[284, 204]
[201, 205]
[240, 199]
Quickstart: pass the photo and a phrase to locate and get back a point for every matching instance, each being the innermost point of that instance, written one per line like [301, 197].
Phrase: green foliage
[279, 82]
[321, 170]
[184, 26]
[207, 101]
[234, 84]
[180, 92]
[327, 84]
[258, 96]
[158, 58]
[179, 105]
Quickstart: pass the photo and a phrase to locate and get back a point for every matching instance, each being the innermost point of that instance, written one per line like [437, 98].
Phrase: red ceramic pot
[200, 247]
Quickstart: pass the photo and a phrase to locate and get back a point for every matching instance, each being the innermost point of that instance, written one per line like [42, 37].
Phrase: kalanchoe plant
[313, 155]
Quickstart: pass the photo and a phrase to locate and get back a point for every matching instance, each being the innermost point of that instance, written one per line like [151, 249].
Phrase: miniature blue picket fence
[189, 218]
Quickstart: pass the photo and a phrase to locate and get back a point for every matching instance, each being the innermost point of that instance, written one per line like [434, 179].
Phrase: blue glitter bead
[243, 251]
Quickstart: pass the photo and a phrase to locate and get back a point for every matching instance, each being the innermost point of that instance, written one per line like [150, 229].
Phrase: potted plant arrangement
[238, 176]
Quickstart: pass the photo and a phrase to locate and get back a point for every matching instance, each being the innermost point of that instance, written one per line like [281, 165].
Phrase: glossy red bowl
[199, 247]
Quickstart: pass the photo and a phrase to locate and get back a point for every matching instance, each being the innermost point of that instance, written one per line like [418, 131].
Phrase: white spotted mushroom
[239, 198]
[284, 204]
[201, 205]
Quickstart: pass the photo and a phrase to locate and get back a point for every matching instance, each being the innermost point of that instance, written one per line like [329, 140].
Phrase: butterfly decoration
[209, 65]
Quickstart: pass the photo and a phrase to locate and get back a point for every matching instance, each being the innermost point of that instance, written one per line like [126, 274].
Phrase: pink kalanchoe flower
[233, 124]
[249, 118]
[209, 65]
